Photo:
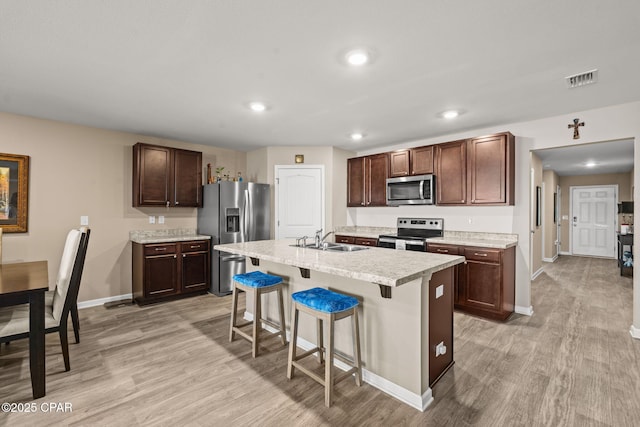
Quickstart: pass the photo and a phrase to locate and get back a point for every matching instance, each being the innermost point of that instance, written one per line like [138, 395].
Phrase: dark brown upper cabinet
[477, 171]
[491, 161]
[422, 160]
[399, 163]
[451, 173]
[414, 161]
[165, 176]
[367, 180]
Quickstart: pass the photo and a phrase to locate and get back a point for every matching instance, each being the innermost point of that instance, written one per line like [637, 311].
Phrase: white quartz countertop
[166, 235]
[477, 242]
[170, 239]
[375, 265]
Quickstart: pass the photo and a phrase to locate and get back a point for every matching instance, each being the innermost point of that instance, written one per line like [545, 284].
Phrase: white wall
[78, 170]
[604, 124]
[262, 162]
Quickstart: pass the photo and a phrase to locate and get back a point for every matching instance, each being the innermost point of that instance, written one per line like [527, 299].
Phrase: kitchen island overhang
[394, 331]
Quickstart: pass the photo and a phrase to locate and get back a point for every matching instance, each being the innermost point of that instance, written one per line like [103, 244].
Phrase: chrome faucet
[304, 241]
[325, 236]
[317, 238]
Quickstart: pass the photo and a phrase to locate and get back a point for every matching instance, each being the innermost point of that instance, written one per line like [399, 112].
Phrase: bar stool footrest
[319, 379]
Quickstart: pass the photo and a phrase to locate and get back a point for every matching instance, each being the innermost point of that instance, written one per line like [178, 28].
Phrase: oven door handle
[386, 240]
[414, 243]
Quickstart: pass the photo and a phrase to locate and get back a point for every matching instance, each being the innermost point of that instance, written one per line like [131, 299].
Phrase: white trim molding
[635, 332]
[101, 301]
[527, 311]
[537, 273]
[553, 259]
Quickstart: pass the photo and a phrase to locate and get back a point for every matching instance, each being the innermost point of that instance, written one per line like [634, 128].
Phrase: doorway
[299, 200]
[593, 220]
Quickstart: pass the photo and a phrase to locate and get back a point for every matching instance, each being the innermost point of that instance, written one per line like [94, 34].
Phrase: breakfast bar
[406, 313]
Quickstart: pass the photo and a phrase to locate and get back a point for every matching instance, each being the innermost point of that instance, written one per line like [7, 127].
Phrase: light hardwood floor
[573, 363]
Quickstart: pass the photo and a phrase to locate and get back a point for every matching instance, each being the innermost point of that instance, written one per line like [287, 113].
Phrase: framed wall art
[14, 193]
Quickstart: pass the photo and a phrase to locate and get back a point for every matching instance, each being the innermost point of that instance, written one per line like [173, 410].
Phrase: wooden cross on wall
[576, 125]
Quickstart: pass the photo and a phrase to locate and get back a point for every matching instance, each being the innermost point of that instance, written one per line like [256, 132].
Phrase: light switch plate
[161, 219]
[84, 220]
[152, 219]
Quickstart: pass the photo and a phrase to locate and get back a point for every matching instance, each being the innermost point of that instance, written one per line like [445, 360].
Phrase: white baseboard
[527, 311]
[552, 259]
[565, 253]
[635, 332]
[402, 394]
[537, 273]
[101, 301]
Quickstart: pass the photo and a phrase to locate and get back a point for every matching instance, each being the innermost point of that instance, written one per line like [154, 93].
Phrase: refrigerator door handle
[247, 206]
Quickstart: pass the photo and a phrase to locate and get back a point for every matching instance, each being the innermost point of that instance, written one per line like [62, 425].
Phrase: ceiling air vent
[582, 79]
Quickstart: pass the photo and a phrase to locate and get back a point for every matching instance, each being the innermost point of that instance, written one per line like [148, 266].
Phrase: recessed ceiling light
[357, 136]
[590, 164]
[357, 57]
[257, 107]
[451, 114]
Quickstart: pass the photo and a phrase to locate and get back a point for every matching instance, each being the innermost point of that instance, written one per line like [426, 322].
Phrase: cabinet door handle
[477, 254]
[184, 255]
[167, 203]
[175, 256]
[195, 247]
[161, 249]
[445, 251]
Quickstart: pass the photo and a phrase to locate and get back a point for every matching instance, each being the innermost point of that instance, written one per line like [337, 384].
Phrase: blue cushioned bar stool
[325, 305]
[258, 283]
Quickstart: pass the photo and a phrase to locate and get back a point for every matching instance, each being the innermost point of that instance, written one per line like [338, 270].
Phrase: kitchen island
[406, 308]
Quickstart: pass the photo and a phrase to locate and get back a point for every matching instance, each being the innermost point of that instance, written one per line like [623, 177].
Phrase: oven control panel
[421, 223]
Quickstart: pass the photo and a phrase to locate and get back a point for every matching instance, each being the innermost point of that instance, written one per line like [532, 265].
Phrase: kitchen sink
[335, 247]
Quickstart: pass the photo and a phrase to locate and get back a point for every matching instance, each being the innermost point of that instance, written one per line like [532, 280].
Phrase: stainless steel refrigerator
[233, 212]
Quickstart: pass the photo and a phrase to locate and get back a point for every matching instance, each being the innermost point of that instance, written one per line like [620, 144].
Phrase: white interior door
[593, 216]
[299, 201]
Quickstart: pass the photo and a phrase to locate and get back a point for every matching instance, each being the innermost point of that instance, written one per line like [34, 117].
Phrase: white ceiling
[607, 157]
[186, 69]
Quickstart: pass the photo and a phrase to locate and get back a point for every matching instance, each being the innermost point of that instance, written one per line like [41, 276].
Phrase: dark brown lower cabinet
[440, 323]
[166, 270]
[353, 240]
[485, 282]
[489, 282]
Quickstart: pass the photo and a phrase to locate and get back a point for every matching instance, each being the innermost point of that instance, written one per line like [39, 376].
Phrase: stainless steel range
[412, 234]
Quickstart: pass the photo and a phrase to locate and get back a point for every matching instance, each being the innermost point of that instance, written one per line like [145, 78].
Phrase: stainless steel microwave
[411, 190]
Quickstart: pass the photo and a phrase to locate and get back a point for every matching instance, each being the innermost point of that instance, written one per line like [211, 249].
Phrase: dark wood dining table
[26, 282]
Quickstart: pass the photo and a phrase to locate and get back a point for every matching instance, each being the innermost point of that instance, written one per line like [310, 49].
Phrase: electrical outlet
[161, 219]
[84, 220]
[152, 219]
[439, 291]
[470, 220]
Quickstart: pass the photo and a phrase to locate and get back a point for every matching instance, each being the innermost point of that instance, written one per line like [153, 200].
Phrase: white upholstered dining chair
[14, 321]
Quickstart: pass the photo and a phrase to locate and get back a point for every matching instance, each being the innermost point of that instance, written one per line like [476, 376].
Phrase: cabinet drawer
[484, 255]
[197, 246]
[345, 239]
[365, 241]
[442, 249]
[160, 249]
